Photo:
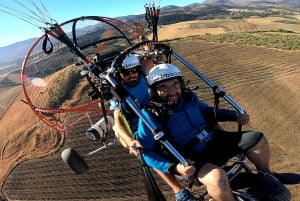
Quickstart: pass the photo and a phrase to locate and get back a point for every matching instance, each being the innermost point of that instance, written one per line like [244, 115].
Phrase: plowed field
[265, 82]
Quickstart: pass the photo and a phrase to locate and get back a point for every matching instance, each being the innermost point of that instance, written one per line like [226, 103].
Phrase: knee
[262, 143]
[216, 179]
[263, 140]
[221, 178]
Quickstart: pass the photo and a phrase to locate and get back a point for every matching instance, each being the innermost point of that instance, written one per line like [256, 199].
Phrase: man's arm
[152, 157]
[124, 134]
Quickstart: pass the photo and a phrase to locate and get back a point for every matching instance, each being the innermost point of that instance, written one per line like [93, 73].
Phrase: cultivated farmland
[264, 81]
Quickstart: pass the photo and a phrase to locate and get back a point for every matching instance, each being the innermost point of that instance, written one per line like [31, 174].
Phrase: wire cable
[31, 12]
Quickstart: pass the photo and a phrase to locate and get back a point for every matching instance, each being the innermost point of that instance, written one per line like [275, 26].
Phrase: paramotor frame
[52, 67]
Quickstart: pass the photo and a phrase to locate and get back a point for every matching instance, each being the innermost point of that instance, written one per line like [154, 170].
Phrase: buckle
[203, 136]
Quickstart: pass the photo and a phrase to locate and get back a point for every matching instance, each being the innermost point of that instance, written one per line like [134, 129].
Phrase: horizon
[12, 34]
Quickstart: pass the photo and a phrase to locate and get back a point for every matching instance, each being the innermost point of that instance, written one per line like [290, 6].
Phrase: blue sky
[14, 29]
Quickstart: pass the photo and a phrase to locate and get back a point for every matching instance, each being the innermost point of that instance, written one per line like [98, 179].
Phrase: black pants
[224, 146]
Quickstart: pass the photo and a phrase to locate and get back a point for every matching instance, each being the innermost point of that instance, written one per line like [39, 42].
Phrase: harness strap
[203, 136]
[47, 41]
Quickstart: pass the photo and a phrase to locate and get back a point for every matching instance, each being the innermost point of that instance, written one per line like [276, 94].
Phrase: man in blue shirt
[132, 76]
[188, 124]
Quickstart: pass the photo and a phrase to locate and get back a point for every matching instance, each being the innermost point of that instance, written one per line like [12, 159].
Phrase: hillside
[255, 3]
[14, 53]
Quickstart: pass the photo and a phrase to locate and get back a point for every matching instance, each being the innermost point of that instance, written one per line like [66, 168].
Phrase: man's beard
[173, 100]
[172, 104]
[132, 82]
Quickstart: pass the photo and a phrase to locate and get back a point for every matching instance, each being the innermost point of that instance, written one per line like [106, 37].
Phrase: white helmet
[162, 72]
[130, 61]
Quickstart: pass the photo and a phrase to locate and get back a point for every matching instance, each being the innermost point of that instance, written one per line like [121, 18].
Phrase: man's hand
[186, 170]
[135, 147]
[242, 118]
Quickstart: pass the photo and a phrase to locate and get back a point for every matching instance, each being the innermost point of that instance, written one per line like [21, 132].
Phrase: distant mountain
[15, 53]
[255, 3]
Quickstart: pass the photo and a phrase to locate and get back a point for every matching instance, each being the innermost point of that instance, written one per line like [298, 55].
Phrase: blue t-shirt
[140, 93]
[183, 125]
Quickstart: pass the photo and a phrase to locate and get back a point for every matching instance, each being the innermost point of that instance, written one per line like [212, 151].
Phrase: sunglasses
[132, 71]
[166, 88]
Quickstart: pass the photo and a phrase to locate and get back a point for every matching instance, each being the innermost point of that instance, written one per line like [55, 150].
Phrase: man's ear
[153, 94]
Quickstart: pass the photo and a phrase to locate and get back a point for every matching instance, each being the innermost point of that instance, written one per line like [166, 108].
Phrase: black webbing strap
[47, 41]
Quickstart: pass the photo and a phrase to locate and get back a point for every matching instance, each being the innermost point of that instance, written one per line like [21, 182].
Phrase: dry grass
[201, 27]
[7, 96]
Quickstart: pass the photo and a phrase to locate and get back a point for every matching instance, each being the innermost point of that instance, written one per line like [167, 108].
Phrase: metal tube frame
[155, 130]
[210, 83]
